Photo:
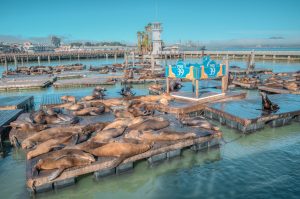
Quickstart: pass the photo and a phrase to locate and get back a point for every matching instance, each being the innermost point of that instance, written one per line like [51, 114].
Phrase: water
[265, 164]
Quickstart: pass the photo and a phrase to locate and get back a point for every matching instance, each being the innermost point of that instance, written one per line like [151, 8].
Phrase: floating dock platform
[24, 83]
[16, 102]
[245, 85]
[6, 117]
[104, 166]
[271, 90]
[82, 82]
[143, 81]
[242, 71]
[247, 115]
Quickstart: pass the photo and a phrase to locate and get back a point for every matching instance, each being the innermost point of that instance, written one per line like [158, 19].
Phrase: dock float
[240, 71]
[143, 81]
[7, 116]
[245, 85]
[82, 82]
[271, 90]
[16, 102]
[247, 115]
[103, 166]
[23, 83]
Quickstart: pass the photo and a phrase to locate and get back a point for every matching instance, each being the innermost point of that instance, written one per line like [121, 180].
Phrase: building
[156, 39]
[33, 48]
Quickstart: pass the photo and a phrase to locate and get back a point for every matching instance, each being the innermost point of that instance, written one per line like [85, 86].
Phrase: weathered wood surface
[26, 83]
[16, 102]
[85, 81]
[245, 85]
[249, 111]
[245, 71]
[277, 90]
[108, 162]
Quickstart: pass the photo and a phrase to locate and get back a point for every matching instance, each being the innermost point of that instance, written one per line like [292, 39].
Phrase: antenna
[156, 10]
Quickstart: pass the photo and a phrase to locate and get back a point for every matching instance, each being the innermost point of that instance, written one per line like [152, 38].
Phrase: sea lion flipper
[55, 174]
[93, 113]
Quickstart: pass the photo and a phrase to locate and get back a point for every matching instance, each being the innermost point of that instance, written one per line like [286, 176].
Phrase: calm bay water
[265, 164]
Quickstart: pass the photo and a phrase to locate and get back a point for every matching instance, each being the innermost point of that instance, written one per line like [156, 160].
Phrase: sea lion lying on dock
[41, 117]
[123, 122]
[54, 132]
[152, 136]
[123, 114]
[50, 144]
[150, 124]
[90, 111]
[27, 126]
[62, 160]
[198, 122]
[67, 98]
[267, 105]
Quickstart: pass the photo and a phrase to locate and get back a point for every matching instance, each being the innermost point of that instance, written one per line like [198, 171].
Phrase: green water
[265, 164]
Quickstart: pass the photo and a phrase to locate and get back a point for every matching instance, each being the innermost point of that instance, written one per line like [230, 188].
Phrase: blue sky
[107, 20]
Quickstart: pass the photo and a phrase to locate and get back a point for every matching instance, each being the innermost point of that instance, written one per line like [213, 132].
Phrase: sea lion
[27, 126]
[63, 162]
[99, 88]
[152, 136]
[90, 111]
[105, 135]
[51, 133]
[122, 122]
[120, 150]
[122, 114]
[48, 145]
[67, 98]
[150, 124]
[267, 105]
[65, 105]
[74, 107]
[88, 98]
[199, 122]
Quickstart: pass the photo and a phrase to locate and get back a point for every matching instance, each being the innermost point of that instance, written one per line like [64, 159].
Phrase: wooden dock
[195, 107]
[271, 90]
[241, 71]
[247, 116]
[103, 166]
[23, 83]
[82, 82]
[7, 116]
[143, 81]
[245, 85]
[16, 102]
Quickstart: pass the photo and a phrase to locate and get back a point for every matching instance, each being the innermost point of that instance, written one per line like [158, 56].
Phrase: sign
[209, 69]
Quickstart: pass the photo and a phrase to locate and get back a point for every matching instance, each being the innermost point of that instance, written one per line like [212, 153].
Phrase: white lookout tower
[157, 42]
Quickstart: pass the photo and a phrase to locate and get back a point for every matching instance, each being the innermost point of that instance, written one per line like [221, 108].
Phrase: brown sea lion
[90, 111]
[152, 136]
[123, 114]
[88, 98]
[199, 122]
[48, 145]
[67, 98]
[267, 105]
[49, 134]
[99, 88]
[27, 126]
[120, 150]
[63, 162]
[150, 124]
[122, 122]
[105, 135]
[65, 105]
[74, 107]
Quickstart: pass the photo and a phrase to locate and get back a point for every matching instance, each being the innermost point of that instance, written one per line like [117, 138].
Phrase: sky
[210, 21]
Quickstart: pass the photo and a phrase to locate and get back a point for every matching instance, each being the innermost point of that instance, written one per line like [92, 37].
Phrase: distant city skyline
[213, 22]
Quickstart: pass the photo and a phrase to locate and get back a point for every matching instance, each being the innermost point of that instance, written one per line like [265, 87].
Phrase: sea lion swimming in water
[267, 105]
[63, 160]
